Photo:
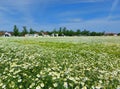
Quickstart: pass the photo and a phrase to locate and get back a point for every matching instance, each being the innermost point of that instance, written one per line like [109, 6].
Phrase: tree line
[62, 31]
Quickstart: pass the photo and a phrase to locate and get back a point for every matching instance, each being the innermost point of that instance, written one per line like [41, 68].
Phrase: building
[7, 34]
[31, 35]
[110, 34]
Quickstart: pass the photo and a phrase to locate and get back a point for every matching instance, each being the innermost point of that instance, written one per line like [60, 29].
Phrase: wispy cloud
[98, 25]
[72, 20]
[3, 9]
[113, 7]
[9, 9]
[25, 12]
[82, 1]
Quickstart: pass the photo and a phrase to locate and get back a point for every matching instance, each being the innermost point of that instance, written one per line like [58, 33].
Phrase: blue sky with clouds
[93, 15]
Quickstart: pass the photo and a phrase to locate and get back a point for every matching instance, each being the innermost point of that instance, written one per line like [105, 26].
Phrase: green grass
[60, 63]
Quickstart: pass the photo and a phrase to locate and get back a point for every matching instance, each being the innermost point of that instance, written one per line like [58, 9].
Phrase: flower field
[60, 63]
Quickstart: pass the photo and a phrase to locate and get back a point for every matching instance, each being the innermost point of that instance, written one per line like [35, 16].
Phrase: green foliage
[78, 32]
[85, 33]
[60, 63]
[31, 31]
[62, 31]
[25, 31]
[15, 31]
[118, 34]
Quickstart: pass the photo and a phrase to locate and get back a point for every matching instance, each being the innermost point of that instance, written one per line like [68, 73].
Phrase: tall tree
[24, 31]
[60, 31]
[78, 32]
[54, 31]
[118, 34]
[71, 33]
[15, 31]
[64, 30]
[85, 32]
[31, 31]
[93, 33]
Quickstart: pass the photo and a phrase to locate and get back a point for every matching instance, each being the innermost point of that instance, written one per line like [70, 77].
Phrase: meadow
[60, 62]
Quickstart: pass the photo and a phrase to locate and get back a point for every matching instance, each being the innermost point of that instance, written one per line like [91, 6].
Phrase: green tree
[64, 30]
[24, 31]
[78, 32]
[31, 31]
[15, 31]
[54, 31]
[60, 31]
[94, 33]
[118, 34]
[85, 33]
[71, 33]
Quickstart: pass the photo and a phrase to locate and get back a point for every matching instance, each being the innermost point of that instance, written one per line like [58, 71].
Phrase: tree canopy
[62, 31]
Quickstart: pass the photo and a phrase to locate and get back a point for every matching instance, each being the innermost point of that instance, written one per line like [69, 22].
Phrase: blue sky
[93, 15]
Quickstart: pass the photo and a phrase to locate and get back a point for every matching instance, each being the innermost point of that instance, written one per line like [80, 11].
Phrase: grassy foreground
[60, 63]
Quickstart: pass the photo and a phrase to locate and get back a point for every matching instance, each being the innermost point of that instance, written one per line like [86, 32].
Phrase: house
[44, 34]
[7, 34]
[110, 34]
[31, 35]
[54, 35]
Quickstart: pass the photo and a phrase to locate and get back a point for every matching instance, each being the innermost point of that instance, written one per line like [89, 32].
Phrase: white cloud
[72, 20]
[3, 9]
[113, 7]
[83, 1]
[23, 7]
[11, 8]
[99, 25]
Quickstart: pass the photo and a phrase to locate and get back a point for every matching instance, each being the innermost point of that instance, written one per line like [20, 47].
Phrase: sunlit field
[60, 62]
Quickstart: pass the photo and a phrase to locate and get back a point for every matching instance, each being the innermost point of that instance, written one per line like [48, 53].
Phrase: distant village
[62, 32]
[45, 34]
